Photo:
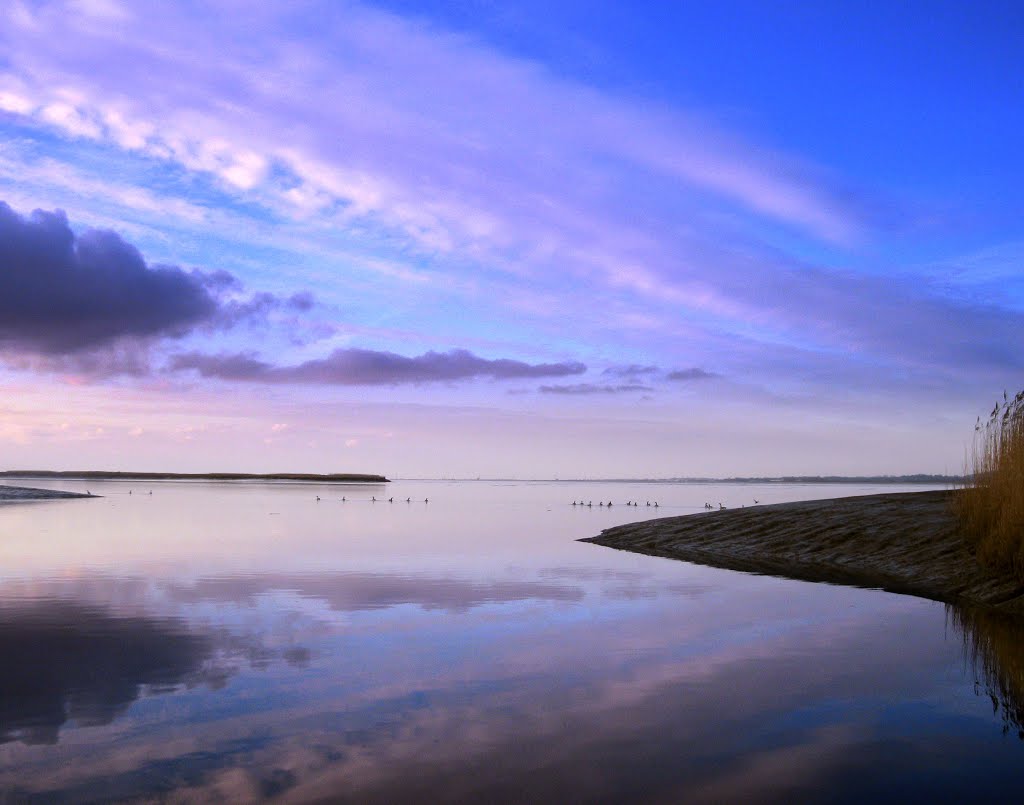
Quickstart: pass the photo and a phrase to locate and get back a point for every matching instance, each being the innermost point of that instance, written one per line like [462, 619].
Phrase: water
[212, 642]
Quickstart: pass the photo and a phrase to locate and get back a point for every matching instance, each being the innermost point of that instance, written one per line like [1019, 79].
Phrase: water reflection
[352, 592]
[66, 662]
[190, 647]
[993, 645]
[74, 663]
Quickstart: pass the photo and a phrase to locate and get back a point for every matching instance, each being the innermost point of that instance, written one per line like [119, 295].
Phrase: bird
[648, 503]
[590, 504]
[721, 507]
[600, 503]
[342, 498]
[391, 500]
[317, 498]
[426, 500]
[756, 500]
[574, 503]
[373, 498]
[609, 504]
[408, 500]
[655, 504]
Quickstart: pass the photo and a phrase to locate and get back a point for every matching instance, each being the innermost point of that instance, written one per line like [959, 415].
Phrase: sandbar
[906, 542]
[14, 493]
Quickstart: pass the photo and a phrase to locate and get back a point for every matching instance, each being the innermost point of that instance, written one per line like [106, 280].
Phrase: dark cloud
[123, 358]
[693, 373]
[365, 367]
[62, 293]
[631, 371]
[592, 388]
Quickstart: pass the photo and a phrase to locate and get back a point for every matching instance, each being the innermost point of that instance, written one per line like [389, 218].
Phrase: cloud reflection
[65, 662]
[352, 592]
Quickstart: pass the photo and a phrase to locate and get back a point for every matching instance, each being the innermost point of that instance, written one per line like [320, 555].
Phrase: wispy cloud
[694, 373]
[365, 367]
[633, 370]
[379, 66]
[592, 388]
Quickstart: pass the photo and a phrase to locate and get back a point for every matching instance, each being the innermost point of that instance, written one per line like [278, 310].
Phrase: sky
[508, 239]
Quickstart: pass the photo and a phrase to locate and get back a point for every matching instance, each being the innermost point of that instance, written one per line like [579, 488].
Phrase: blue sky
[494, 239]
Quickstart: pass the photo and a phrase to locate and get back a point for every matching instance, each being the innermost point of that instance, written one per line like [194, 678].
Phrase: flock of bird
[374, 500]
[590, 504]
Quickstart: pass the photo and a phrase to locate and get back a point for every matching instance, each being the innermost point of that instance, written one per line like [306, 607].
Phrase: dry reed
[990, 506]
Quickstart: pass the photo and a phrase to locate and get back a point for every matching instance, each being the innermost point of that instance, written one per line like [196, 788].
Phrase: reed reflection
[993, 645]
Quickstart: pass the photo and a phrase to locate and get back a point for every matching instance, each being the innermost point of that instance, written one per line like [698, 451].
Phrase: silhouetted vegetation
[990, 506]
[993, 644]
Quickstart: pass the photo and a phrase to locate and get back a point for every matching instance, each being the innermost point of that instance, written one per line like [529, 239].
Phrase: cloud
[693, 373]
[90, 303]
[366, 367]
[390, 140]
[631, 371]
[60, 292]
[370, 84]
[592, 388]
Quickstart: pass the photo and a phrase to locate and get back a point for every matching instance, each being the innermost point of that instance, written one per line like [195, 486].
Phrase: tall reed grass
[990, 507]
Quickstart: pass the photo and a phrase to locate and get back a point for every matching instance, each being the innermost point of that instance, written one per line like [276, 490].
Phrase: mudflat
[901, 542]
[12, 493]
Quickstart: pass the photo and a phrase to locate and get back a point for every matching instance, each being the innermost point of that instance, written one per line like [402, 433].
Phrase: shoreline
[108, 475]
[901, 542]
[19, 493]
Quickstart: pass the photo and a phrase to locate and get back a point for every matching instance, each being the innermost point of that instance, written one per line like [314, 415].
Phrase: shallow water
[215, 641]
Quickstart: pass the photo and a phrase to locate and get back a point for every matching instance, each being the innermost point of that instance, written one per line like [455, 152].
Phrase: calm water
[244, 641]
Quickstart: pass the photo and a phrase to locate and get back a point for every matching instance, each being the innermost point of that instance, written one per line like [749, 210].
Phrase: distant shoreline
[900, 542]
[923, 479]
[104, 475]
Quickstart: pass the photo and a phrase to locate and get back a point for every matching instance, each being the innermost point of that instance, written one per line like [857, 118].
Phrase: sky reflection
[577, 673]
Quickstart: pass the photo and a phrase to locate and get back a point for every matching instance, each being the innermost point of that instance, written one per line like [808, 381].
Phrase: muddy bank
[14, 493]
[901, 542]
